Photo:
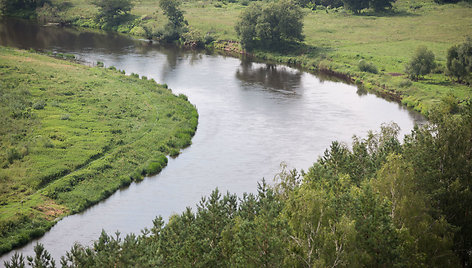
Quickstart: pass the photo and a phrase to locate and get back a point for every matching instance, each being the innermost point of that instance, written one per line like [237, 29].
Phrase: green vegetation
[379, 203]
[270, 24]
[459, 61]
[421, 64]
[365, 66]
[176, 24]
[20, 8]
[71, 135]
[335, 39]
[112, 12]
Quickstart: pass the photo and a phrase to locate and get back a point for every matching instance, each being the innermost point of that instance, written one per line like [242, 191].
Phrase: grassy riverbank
[336, 40]
[71, 135]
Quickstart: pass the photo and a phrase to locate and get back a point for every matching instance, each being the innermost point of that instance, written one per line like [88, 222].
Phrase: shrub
[183, 96]
[421, 64]
[176, 24]
[208, 38]
[459, 61]
[155, 166]
[369, 67]
[193, 39]
[12, 155]
[39, 105]
[270, 24]
[65, 117]
[405, 83]
[112, 12]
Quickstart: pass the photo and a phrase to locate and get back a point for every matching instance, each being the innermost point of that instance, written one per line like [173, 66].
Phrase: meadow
[71, 135]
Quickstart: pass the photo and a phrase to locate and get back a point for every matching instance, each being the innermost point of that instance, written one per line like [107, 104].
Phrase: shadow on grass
[445, 83]
[388, 13]
[292, 49]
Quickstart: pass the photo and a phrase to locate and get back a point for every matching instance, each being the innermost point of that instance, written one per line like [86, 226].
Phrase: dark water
[252, 117]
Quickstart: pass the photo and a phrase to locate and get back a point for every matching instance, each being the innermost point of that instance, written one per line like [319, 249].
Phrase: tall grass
[71, 135]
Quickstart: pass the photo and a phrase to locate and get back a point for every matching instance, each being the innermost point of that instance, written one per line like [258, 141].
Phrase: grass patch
[71, 135]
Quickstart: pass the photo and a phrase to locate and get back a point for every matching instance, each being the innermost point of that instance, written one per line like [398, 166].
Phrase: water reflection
[252, 117]
[25, 35]
[269, 76]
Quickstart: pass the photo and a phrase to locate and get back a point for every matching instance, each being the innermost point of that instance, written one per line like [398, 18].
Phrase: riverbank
[335, 41]
[72, 135]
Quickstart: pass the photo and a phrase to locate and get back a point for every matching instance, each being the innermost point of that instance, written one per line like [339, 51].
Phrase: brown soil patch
[51, 210]
[395, 74]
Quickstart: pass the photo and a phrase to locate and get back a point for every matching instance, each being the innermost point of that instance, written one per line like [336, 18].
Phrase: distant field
[337, 40]
[71, 135]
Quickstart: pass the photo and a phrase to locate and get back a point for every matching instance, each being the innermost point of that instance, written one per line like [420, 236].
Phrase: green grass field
[71, 135]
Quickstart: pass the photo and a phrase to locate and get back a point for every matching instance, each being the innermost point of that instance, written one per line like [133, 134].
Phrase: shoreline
[120, 162]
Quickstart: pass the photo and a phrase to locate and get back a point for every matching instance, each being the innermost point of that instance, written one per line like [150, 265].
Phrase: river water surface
[253, 116]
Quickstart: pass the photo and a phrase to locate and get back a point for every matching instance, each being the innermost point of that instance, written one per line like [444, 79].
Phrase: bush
[357, 5]
[421, 64]
[176, 24]
[271, 24]
[459, 61]
[65, 117]
[112, 12]
[405, 83]
[20, 8]
[155, 166]
[12, 155]
[369, 67]
[39, 105]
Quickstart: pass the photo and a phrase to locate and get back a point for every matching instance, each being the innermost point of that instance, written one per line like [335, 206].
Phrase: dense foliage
[20, 8]
[422, 63]
[377, 5]
[176, 24]
[112, 12]
[459, 61]
[379, 203]
[270, 25]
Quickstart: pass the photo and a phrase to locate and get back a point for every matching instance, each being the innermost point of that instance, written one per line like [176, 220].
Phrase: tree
[422, 63]
[270, 24]
[176, 24]
[42, 258]
[429, 240]
[459, 61]
[440, 154]
[22, 8]
[380, 5]
[355, 5]
[112, 11]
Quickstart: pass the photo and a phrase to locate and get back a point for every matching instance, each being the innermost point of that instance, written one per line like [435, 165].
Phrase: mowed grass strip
[71, 135]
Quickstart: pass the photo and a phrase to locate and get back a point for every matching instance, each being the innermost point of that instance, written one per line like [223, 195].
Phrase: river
[253, 116]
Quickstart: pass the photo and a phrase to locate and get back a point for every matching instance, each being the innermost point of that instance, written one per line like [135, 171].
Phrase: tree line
[377, 203]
